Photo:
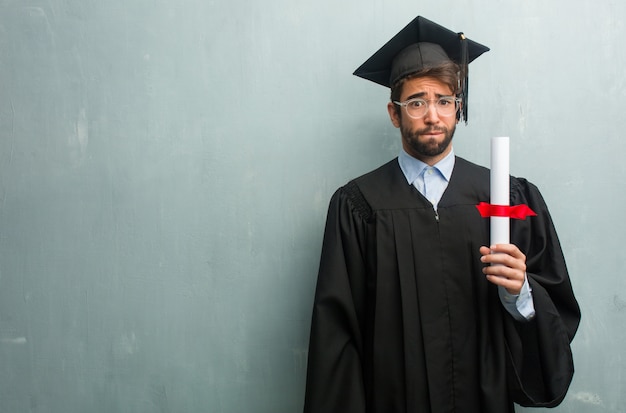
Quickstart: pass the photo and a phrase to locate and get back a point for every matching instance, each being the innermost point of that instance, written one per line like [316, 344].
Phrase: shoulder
[469, 184]
[386, 173]
[350, 198]
[383, 188]
[464, 165]
[361, 195]
[469, 173]
[386, 187]
[524, 191]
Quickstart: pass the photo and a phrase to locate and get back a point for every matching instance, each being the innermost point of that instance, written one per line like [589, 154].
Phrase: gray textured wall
[165, 169]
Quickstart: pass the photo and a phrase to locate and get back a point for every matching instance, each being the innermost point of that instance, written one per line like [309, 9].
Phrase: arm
[540, 357]
[334, 374]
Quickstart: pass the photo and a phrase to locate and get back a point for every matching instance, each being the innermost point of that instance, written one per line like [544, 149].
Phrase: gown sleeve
[335, 382]
[541, 364]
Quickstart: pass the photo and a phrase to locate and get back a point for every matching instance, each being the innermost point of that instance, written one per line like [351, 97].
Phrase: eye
[445, 102]
[416, 103]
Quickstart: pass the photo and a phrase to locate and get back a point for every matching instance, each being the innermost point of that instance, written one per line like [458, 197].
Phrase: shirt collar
[412, 167]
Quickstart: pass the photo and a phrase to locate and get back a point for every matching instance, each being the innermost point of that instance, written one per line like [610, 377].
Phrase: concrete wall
[165, 169]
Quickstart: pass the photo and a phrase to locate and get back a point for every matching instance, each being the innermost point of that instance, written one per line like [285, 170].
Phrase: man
[413, 312]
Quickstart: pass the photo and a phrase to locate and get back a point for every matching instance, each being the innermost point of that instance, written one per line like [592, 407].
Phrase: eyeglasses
[417, 108]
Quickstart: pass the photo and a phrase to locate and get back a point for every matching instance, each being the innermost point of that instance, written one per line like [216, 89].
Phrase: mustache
[431, 129]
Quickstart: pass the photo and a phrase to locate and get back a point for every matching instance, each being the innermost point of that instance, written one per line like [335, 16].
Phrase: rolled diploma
[500, 228]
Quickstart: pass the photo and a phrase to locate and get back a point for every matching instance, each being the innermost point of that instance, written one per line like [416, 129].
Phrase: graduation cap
[420, 45]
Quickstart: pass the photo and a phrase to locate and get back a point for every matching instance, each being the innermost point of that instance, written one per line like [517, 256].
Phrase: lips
[433, 132]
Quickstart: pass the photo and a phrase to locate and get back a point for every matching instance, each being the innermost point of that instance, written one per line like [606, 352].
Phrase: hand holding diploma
[506, 263]
[507, 266]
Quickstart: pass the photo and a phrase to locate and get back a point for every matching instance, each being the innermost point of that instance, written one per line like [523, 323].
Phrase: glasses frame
[406, 103]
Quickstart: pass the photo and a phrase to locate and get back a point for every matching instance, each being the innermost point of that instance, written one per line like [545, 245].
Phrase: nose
[431, 115]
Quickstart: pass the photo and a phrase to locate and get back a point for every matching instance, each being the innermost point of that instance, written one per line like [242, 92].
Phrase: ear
[393, 114]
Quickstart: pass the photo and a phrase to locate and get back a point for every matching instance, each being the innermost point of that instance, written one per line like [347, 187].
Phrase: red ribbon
[516, 212]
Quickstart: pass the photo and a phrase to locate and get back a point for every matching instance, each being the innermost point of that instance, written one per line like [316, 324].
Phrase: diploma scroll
[500, 188]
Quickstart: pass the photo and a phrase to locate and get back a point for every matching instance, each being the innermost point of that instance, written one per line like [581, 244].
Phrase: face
[428, 138]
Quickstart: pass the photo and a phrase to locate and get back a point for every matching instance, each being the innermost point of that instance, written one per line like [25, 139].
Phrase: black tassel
[464, 75]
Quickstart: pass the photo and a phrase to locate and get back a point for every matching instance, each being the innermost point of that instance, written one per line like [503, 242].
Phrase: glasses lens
[417, 108]
[446, 106]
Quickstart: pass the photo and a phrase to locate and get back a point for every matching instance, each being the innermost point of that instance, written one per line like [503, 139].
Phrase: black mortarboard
[421, 44]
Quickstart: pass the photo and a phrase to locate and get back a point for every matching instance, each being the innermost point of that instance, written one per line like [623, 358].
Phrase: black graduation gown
[404, 319]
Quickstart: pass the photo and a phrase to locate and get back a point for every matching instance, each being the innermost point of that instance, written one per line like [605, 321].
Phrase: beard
[428, 147]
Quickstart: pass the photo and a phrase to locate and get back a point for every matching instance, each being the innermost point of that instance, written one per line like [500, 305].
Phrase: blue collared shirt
[432, 181]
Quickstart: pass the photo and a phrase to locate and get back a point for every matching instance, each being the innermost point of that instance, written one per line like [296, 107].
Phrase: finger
[510, 249]
[513, 287]
[485, 250]
[502, 264]
[504, 254]
[506, 260]
[504, 272]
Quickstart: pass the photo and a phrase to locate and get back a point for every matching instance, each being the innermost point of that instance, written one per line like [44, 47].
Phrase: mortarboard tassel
[464, 74]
